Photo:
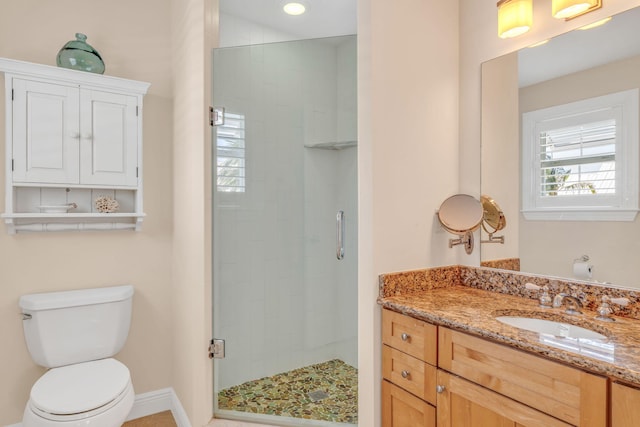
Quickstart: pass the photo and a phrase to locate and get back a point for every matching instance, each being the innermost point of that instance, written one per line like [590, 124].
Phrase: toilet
[76, 334]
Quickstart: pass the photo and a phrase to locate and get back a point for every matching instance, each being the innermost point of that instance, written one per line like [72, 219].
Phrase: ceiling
[581, 49]
[323, 18]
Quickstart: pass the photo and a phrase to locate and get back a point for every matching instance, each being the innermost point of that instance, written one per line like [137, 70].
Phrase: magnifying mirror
[461, 214]
[493, 219]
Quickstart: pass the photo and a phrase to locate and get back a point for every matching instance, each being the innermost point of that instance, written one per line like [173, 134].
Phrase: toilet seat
[80, 391]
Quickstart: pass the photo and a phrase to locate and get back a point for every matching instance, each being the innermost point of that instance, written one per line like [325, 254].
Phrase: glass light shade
[294, 8]
[595, 24]
[562, 9]
[515, 17]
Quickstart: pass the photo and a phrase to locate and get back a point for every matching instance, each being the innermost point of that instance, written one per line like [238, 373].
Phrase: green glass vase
[79, 55]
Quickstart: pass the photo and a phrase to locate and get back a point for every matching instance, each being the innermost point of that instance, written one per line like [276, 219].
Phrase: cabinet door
[108, 139]
[45, 132]
[402, 409]
[625, 408]
[464, 404]
[576, 397]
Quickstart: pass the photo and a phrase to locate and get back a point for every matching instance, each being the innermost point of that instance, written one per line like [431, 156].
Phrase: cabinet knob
[405, 336]
[75, 135]
[405, 374]
[440, 388]
[87, 135]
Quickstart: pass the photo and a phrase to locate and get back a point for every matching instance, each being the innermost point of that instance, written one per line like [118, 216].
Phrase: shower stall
[285, 242]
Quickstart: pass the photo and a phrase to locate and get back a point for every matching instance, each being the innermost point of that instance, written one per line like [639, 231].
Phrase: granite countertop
[473, 311]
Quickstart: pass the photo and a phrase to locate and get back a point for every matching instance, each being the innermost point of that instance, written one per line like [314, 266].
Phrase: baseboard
[158, 401]
[153, 402]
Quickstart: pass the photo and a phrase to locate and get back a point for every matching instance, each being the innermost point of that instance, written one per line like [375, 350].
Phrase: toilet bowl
[75, 333]
[97, 394]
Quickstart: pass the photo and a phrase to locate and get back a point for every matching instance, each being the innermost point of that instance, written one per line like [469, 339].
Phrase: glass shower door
[285, 302]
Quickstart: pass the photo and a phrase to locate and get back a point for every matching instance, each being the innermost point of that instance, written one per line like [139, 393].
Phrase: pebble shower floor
[327, 391]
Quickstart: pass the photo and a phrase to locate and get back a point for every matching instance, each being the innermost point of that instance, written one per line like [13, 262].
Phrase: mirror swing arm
[465, 239]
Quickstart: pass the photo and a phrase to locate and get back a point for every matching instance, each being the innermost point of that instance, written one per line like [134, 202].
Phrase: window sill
[580, 214]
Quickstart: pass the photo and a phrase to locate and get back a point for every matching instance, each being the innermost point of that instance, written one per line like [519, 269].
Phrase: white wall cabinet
[71, 137]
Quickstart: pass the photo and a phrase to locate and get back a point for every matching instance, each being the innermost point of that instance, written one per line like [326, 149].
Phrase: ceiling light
[595, 24]
[294, 8]
[567, 9]
[514, 17]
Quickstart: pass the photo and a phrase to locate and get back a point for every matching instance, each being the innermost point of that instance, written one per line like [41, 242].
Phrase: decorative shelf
[42, 222]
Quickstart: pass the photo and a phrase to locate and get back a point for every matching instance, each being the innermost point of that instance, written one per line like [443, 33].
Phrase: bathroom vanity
[444, 348]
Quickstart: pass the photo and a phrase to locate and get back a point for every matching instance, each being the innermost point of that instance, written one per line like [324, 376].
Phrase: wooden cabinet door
[576, 397]
[45, 132]
[108, 138]
[464, 404]
[402, 409]
[625, 405]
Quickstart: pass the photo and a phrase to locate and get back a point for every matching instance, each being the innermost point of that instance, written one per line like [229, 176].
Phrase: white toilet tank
[63, 328]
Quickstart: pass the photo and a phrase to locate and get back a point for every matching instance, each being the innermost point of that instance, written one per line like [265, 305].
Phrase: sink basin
[550, 327]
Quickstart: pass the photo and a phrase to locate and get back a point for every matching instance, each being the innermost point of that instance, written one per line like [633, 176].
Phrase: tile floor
[326, 391]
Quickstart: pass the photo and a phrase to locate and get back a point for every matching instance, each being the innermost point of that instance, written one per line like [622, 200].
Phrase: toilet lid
[79, 388]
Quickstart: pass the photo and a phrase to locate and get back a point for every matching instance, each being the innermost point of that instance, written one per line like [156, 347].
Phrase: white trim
[159, 401]
[154, 402]
[623, 206]
[584, 214]
[64, 75]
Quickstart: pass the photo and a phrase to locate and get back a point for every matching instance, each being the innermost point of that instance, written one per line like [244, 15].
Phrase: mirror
[574, 66]
[461, 214]
[493, 219]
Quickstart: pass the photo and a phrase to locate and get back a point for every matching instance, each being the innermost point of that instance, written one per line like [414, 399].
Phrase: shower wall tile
[279, 237]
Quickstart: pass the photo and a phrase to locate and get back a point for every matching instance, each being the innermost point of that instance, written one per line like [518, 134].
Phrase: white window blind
[580, 160]
[230, 154]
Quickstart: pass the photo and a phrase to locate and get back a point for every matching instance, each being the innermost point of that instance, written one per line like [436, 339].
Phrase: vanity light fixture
[595, 24]
[515, 17]
[569, 9]
[539, 43]
[294, 8]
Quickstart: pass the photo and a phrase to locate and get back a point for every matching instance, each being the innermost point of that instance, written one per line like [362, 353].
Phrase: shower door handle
[340, 235]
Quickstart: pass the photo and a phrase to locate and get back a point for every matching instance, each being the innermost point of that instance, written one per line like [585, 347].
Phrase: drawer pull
[405, 374]
[405, 336]
[440, 388]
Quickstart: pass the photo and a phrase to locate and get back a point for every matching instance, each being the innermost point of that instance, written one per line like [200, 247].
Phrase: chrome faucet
[573, 303]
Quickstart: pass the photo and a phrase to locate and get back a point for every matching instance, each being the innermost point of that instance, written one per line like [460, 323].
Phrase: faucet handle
[531, 287]
[604, 310]
[545, 298]
[620, 301]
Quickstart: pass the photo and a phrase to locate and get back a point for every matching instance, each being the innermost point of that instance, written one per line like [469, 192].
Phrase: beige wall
[32, 30]
[500, 150]
[193, 32]
[407, 155]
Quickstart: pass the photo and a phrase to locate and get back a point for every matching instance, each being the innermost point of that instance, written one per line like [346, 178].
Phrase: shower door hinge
[216, 116]
[216, 349]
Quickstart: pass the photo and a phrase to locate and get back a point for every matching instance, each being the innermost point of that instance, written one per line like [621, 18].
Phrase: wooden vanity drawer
[413, 375]
[411, 336]
[566, 393]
